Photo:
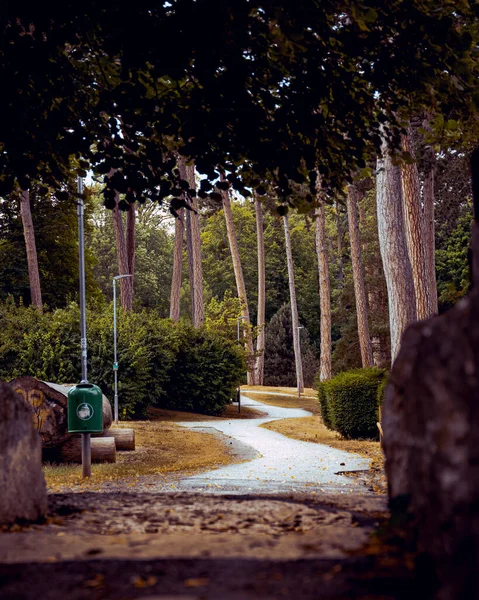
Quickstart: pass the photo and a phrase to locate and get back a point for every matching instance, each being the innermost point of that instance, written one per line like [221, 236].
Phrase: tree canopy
[265, 89]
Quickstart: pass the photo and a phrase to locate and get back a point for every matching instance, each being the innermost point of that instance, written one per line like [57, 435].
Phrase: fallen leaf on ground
[144, 582]
[96, 583]
[196, 582]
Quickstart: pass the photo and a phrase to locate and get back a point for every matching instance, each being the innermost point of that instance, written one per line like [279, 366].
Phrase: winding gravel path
[282, 464]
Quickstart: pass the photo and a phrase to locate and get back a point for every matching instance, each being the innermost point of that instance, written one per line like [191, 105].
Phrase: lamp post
[115, 358]
[300, 366]
[85, 437]
[238, 393]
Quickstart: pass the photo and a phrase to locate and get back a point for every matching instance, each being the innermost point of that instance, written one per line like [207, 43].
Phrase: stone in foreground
[431, 440]
[23, 493]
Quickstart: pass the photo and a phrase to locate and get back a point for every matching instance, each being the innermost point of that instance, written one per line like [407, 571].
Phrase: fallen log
[124, 438]
[49, 404]
[103, 450]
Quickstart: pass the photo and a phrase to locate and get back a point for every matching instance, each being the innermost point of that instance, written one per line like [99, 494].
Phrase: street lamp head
[121, 276]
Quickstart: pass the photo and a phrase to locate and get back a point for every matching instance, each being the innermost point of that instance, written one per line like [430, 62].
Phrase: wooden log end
[124, 438]
[103, 450]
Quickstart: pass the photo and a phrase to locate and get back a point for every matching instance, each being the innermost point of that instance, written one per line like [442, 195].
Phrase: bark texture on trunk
[31, 249]
[193, 245]
[430, 232]
[189, 252]
[126, 284]
[325, 369]
[199, 309]
[358, 277]
[340, 248]
[131, 238]
[259, 373]
[394, 254]
[415, 229]
[240, 285]
[177, 267]
[294, 305]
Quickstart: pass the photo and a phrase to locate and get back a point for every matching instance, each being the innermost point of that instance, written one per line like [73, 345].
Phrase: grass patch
[293, 391]
[311, 404]
[231, 412]
[312, 429]
[161, 448]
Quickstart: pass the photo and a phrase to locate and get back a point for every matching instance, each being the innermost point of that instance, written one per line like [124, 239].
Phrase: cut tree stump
[124, 438]
[103, 450]
[49, 404]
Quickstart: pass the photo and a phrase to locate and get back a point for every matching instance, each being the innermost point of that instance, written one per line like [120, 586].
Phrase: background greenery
[160, 364]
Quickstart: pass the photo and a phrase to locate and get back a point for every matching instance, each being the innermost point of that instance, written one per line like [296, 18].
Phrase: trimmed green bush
[323, 404]
[160, 364]
[205, 373]
[349, 402]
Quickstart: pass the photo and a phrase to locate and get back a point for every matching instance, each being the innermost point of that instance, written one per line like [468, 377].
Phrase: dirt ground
[123, 546]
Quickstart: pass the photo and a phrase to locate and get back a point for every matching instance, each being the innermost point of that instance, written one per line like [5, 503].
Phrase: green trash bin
[85, 409]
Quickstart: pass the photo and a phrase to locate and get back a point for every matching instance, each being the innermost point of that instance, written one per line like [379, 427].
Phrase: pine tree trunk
[199, 309]
[325, 370]
[429, 233]
[294, 305]
[394, 253]
[193, 245]
[126, 287]
[131, 238]
[31, 249]
[238, 271]
[358, 277]
[340, 249]
[189, 252]
[415, 229]
[177, 267]
[259, 375]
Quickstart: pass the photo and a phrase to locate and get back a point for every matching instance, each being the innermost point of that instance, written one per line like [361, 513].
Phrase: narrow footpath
[281, 464]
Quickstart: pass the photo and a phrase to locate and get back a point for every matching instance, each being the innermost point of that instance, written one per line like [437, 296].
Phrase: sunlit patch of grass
[161, 448]
[311, 404]
[293, 391]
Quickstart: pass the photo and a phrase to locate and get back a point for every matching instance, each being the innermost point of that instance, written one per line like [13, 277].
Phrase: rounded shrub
[206, 370]
[349, 402]
[323, 405]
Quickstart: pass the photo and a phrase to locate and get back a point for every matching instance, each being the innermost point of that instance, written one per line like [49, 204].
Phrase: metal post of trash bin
[85, 446]
[115, 358]
[238, 391]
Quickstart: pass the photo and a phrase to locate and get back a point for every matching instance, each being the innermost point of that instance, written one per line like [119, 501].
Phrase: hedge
[160, 364]
[205, 372]
[349, 402]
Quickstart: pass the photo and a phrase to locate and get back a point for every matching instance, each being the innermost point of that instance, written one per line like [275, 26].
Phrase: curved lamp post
[115, 358]
[239, 386]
